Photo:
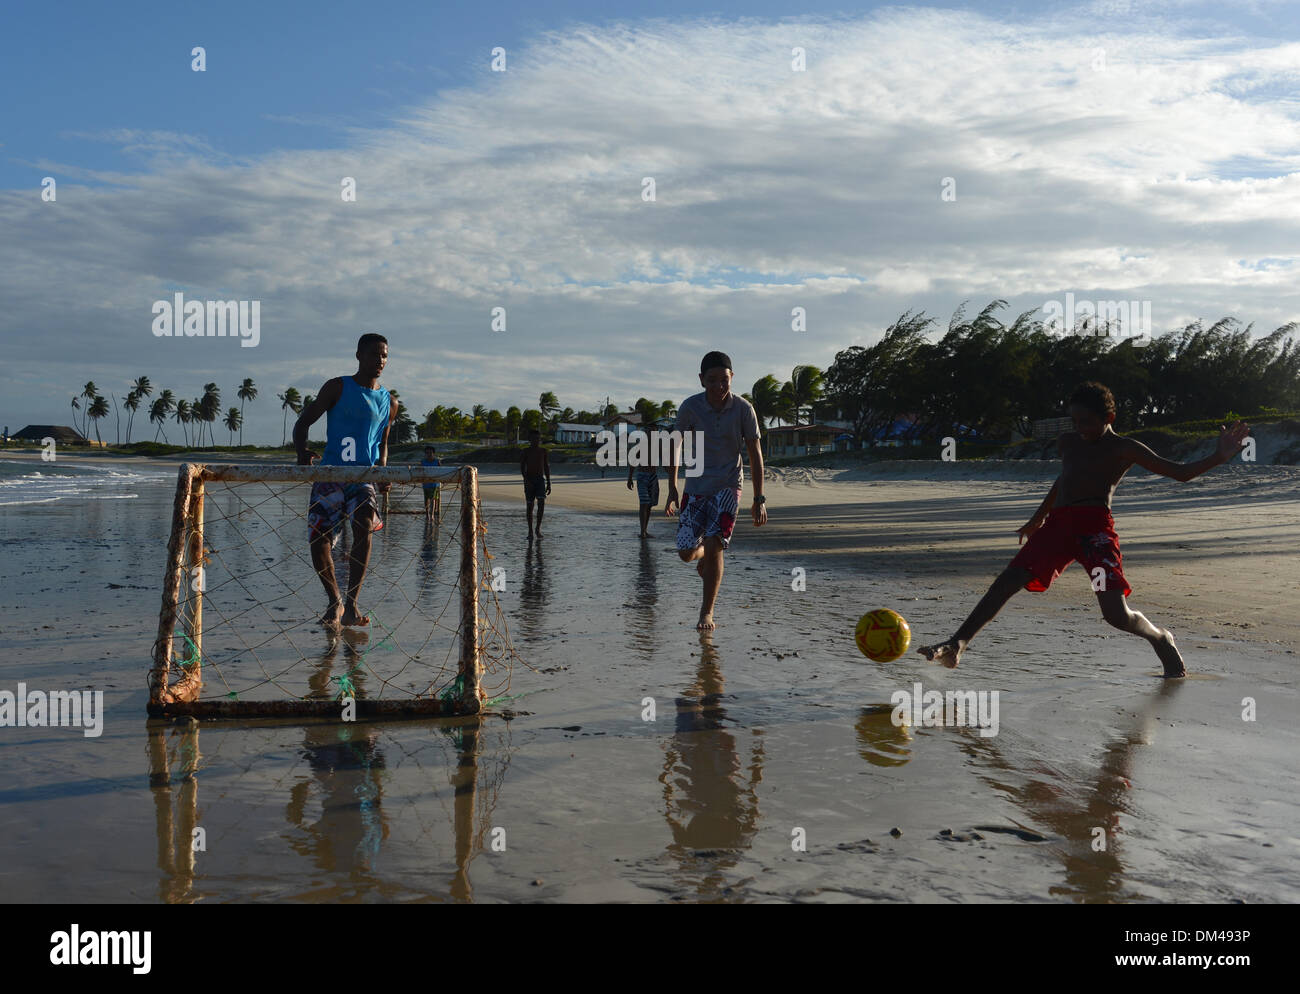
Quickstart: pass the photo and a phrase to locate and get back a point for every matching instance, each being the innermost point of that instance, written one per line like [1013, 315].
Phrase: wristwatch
[760, 499]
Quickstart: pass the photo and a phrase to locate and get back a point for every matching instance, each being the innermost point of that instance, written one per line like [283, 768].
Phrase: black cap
[714, 359]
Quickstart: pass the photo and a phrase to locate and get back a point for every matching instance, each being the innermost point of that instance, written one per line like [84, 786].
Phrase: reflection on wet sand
[337, 815]
[710, 800]
[641, 614]
[534, 592]
[1074, 808]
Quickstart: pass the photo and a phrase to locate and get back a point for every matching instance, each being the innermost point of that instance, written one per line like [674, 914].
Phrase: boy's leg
[1115, 609]
[541, 509]
[362, 523]
[710, 569]
[1010, 580]
[530, 519]
[645, 520]
[323, 561]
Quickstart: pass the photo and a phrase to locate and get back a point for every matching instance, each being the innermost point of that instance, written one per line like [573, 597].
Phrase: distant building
[625, 418]
[801, 440]
[1047, 429]
[576, 434]
[60, 433]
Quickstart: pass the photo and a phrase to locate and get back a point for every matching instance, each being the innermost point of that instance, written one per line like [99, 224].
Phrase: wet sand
[772, 725]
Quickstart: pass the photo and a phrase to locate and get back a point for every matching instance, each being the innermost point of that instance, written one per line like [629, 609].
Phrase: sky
[921, 156]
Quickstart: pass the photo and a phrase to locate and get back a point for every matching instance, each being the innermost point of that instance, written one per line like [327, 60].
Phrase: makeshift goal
[241, 632]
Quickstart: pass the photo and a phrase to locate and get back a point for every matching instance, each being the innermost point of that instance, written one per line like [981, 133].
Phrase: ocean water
[630, 758]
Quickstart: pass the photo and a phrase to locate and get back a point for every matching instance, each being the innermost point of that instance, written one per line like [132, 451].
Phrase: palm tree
[247, 391]
[132, 404]
[98, 409]
[158, 412]
[75, 408]
[513, 416]
[765, 395]
[183, 418]
[548, 404]
[290, 400]
[234, 421]
[479, 417]
[805, 388]
[210, 407]
[88, 392]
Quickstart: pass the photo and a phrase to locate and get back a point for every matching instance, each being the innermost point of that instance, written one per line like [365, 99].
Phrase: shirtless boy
[1074, 524]
[360, 413]
[535, 465]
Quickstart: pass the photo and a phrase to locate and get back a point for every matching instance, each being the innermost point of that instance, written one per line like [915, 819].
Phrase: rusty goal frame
[185, 556]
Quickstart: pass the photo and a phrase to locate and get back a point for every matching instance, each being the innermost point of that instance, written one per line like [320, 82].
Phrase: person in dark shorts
[1074, 524]
[646, 481]
[432, 491]
[535, 466]
[359, 413]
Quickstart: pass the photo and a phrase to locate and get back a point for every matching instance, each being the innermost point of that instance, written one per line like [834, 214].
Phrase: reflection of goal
[240, 632]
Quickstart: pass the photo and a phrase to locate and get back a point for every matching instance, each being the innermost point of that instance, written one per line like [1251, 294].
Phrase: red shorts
[1085, 535]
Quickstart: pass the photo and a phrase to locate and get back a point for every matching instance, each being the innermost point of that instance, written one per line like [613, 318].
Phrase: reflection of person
[432, 491]
[1074, 524]
[535, 465]
[647, 491]
[360, 413]
[708, 508]
[710, 787]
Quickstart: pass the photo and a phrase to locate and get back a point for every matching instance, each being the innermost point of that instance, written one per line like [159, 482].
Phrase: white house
[580, 434]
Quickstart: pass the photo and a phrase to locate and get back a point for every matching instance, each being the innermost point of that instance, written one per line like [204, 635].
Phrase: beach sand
[772, 730]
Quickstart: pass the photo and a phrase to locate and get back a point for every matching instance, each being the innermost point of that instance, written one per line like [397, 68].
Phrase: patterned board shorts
[332, 503]
[702, 517]
[647, 488]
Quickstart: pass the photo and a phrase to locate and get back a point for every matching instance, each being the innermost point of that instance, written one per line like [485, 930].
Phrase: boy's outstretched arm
[1036, 520]
[1229, 445]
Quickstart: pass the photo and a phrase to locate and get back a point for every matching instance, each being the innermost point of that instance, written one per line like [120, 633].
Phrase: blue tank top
[360, 414]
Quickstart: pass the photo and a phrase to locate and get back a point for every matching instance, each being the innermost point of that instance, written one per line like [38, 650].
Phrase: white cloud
[1164, 176]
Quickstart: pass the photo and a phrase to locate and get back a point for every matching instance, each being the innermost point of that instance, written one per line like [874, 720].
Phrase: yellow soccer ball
[883, 635]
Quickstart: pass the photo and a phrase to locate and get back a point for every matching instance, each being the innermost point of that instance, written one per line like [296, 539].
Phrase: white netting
[259, 635]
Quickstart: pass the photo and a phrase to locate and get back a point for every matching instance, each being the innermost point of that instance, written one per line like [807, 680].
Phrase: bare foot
[948, 653]
[538, 533]
[706, 622]
[330, 619]
[1169, 656]
[352, 617]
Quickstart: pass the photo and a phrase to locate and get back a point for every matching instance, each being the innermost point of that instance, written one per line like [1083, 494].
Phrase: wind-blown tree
[869, 386]
[183, 416]
[233, 420]
[804, 388]
[158, 412]
[290, 400]
[247, 391]
[210, 408]
[765, 396]
[132, 404]
[88, 394]
[479, 418]
[98, 409]
[75, 408]
[547, 405]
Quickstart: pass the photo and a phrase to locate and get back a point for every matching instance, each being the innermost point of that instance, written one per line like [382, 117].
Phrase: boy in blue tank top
[360, 412]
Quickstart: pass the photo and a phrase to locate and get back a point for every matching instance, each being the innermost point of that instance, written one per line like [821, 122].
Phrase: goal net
[243, 629]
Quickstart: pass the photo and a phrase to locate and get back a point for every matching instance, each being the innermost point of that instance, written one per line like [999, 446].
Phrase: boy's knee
[687, 554]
